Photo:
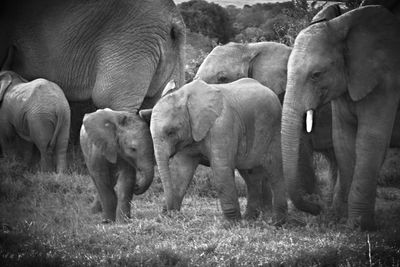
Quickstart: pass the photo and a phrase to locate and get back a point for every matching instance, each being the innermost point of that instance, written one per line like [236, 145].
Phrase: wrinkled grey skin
[235, 125]
[267, 63]
[352, 61]
[115, 145]
[117, 53]
[392, 5]
[37, 114]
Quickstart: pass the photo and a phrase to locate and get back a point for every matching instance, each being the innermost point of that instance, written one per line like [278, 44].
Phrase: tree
[209, 19]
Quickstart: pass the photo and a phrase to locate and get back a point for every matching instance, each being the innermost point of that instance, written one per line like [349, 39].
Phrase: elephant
[35, 114]
[119, 54]
[114, 144]
[392, 5]
[228, 126]
[351, 61]
[266, 62]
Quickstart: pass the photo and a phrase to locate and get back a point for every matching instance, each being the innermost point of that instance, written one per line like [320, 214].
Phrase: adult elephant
[266, 62]
[118, 53]
[392, 5]
[352, 61]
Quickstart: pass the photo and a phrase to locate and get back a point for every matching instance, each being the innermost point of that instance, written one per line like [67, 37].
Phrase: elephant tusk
[309, 120]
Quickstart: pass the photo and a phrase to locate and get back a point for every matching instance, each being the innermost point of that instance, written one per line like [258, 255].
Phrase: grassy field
[238, 3]
[45, 221]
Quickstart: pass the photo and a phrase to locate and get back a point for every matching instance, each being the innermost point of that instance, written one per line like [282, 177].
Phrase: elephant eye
[170, 132]
[316, 75]
[222, 79]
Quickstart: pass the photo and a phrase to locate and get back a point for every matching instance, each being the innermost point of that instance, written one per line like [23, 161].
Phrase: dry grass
[45, 221]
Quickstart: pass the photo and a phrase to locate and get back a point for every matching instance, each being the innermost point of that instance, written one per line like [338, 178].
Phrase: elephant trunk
[144, 180]
[163, 153]
[294, 146]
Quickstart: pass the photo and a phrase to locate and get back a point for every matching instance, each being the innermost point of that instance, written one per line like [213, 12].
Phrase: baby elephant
[234, 125]
[117, 147]
[33, 114]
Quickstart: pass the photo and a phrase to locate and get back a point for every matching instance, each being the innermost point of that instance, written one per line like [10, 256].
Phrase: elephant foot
[363, 223]
[123, 219]
[251, 214]
[107, 221]
[233, 216]
[96, 207]
[228, 223]
[340, 209]
[313, 204]
[278, 220]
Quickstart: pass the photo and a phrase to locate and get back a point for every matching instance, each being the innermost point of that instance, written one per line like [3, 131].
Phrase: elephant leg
[126, 185]
[104, 180]
[25, 150]
[332, 173]
[344, 130]
[259, 195]
[61, 153]
[274, 170]
[46, 160]
[182, 167]
[227, 192]
[96, 206]
[375, 127]
[41, 133]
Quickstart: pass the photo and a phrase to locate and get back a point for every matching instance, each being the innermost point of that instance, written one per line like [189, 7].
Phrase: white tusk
[309, 120]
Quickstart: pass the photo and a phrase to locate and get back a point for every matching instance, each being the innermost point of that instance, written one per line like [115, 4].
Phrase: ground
[45, 221]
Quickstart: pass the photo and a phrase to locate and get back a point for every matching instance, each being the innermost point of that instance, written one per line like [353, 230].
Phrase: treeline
[209, 24]
[279, 22]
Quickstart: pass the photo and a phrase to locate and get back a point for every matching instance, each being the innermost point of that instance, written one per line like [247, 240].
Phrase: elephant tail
[59, 140]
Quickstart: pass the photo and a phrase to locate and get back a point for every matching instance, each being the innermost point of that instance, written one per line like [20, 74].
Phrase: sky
[239, 3]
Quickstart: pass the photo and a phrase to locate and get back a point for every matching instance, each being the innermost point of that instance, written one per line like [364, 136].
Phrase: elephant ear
[204, 104]
[372, 39]
[5, 82]
[252, 60]
[251, 56]
[327, 13]
[101, 127]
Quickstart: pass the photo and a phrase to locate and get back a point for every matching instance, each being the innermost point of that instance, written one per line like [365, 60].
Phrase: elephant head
[8, 78]
[348, 56]
[265, 61]
[179, 120]
[122, 135]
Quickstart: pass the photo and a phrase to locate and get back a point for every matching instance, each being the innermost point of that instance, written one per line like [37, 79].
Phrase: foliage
[279, 22]
[207, 18]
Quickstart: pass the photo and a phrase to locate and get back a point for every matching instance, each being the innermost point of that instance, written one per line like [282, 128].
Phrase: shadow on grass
[21, 249]
[18, 249]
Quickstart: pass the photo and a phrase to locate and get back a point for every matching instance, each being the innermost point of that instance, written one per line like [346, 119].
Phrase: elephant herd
[260, 108]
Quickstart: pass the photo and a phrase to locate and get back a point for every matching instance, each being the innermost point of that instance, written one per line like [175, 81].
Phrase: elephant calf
[234, 125]
[115, 144]
[37, 114]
